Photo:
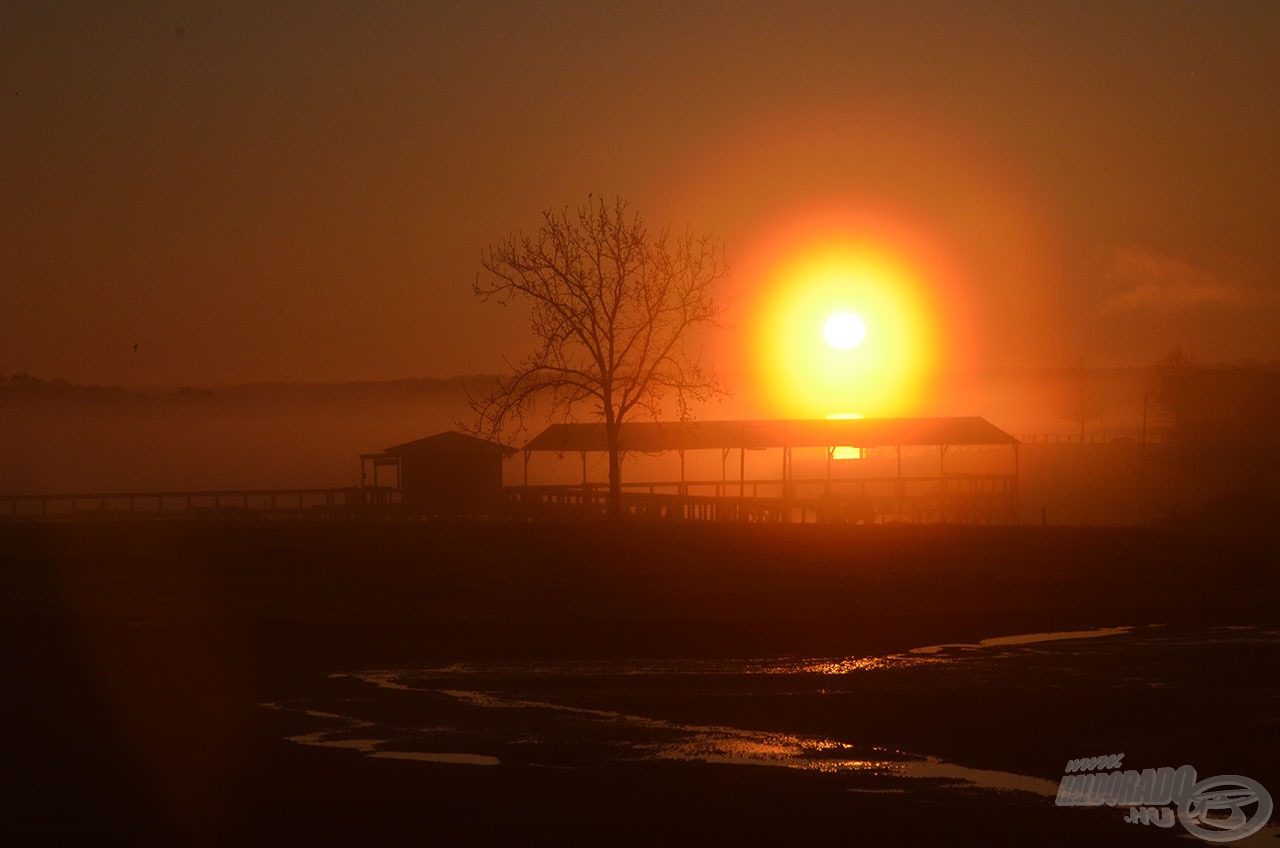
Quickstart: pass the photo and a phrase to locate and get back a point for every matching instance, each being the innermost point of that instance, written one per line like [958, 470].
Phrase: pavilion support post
[898, 487]
[583, 454]
[526, 468]
[826, 488]
[786, 484]
[683, 492]
[942, 483]
[724, 473]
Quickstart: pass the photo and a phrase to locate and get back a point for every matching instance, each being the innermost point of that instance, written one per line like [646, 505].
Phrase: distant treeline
[25, 387]
[1222, 411]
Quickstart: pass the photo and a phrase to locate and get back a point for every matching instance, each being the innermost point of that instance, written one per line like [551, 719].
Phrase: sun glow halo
[877, 339]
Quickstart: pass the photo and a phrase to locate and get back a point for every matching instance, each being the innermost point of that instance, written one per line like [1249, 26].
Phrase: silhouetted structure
[448, 474]
[903, 475]
[947, 495]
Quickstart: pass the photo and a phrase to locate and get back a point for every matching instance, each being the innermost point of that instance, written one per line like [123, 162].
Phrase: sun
[844, 330]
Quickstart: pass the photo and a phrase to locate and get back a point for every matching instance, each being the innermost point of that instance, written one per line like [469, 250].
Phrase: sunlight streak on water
[849, 665]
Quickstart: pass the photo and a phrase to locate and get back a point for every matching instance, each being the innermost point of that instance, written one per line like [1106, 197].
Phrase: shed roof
[450, 441]
[659, 436]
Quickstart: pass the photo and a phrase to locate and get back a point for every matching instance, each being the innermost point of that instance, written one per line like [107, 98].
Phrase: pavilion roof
[661, 436]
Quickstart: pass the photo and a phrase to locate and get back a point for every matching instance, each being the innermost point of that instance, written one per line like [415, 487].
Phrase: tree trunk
[615, 473]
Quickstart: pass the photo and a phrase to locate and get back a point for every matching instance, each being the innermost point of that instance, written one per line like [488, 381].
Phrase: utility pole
[1142, 449]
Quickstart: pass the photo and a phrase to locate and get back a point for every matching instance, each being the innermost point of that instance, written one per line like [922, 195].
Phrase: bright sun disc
[844, 330]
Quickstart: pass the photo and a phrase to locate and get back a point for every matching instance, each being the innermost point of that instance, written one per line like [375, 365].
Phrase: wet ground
[276, 684]
[599, 713]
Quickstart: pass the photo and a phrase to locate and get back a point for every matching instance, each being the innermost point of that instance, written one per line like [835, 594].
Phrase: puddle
[570, 714]
[374, 748]
[934, 768]
[423, 757]
[1025, 639]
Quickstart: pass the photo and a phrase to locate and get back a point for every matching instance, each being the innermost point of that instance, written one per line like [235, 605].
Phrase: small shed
[448, 474]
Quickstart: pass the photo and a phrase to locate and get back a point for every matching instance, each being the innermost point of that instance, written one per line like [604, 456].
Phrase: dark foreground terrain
[138, 656]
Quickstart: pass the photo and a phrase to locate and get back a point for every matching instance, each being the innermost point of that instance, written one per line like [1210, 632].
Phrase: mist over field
[65, 438]
[74, 438]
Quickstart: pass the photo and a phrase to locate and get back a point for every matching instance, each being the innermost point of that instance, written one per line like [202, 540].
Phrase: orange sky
[303, 192]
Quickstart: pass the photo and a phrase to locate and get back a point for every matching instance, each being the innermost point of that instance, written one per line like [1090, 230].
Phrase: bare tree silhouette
[1175, 387]
[612, 307]
[1082, 402]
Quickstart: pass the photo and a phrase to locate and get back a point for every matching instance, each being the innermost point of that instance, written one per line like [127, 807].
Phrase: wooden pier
[955, 498]
[319, 503]
[961, 499]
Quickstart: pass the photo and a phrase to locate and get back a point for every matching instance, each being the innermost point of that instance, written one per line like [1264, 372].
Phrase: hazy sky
[260, 190]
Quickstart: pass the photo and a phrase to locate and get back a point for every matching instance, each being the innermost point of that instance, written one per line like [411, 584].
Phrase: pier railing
[349, 500]
[954, 498]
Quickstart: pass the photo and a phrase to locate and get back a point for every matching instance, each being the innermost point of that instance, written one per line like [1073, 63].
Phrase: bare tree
[1082, 402]
[1176, 387]
[612, 308]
